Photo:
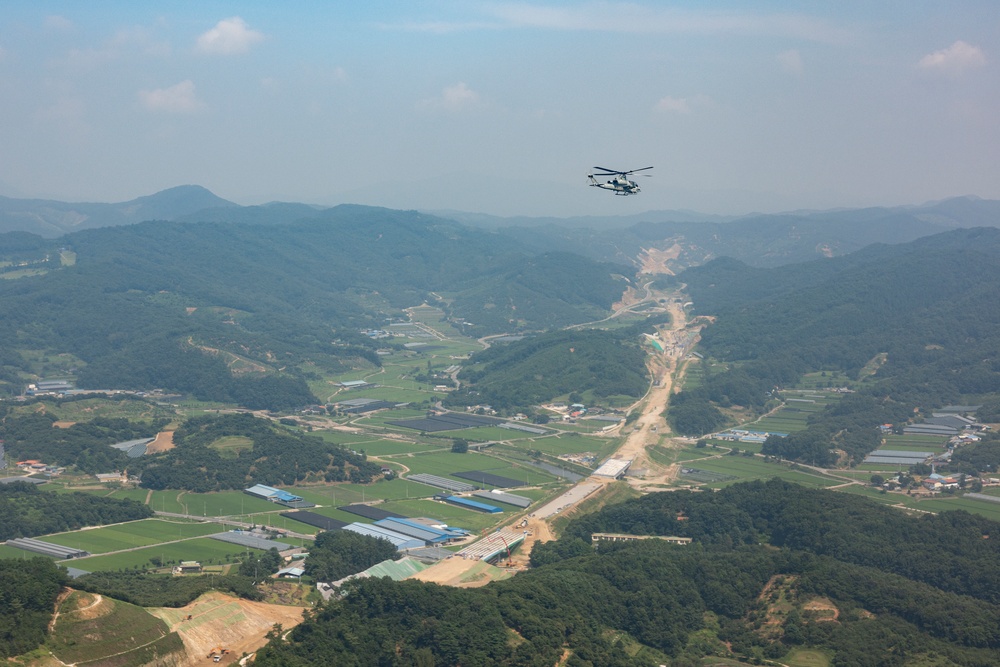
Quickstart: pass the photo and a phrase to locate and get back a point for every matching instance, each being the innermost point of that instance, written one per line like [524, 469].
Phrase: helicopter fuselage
[620, 186]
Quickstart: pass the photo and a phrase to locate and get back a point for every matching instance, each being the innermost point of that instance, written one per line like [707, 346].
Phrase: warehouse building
[505, 498]
[431, 534]
[46, 548]
[400, 541]
[470, 504]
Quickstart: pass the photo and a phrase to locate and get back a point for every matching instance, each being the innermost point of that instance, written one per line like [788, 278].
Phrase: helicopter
[620, 184]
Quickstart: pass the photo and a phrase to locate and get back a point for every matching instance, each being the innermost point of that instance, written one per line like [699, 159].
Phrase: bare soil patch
[62, 423]
[164, 441]
[223, 621]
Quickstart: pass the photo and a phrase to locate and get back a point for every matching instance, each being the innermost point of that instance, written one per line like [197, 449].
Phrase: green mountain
[173, 305]
[924, 306]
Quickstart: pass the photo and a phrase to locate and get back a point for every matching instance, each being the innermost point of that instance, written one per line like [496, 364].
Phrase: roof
[613, 468]
[506, 498]
[291, 572]
[421, 531]
[271, 493]
[400, 541]
[472, 504]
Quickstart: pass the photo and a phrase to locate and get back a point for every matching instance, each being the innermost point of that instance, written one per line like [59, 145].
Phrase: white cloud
[791, 61]
[674, 105]
[228, 37]
[629, 17]
[452, 98]
[683, 105]
[179, 98]
[57, 23]
[955, 59]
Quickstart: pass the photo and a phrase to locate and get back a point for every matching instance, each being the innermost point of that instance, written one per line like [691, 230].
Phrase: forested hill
[143, 304]
[924, 314]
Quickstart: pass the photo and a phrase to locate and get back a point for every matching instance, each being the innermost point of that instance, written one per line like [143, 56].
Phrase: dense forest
[85, 445]
[340, 553]
[907, 305]
[277, 456]
[26, 511]
[163, 590]
[180, 305]
[765, 556]
[28, 592]
[591, 363]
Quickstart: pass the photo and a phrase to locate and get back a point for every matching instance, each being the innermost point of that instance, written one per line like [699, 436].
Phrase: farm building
[400, 541]
[46, 548]
[432, 535]
[354, 384]
[896, 457]
[470, 504]
[133, 448]
[247, 539]
[272, 494]
[188, 567]
[505, 498]
[290, 573]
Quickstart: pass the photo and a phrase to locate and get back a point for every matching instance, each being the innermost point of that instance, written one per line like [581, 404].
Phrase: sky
[503, 107]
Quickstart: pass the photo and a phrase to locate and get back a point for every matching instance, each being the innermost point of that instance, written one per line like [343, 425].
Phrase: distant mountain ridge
[50, 219]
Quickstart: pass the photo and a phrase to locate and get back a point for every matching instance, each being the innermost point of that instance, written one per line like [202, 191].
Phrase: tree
[459, 446]
[877, 480]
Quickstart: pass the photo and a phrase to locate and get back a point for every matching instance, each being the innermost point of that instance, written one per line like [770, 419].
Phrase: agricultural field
[88, 409]
[932, 444]
[347, 494]
[218, 503]
[745, 468]
[985, 508]
[202, 549]
[132, 534]
[572, 443]
[445, 463]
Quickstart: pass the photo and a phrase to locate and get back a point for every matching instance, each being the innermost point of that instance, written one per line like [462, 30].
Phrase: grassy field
[745, 468]
[806, 657]
[202, 549]
[132, 534]
[985, 508]
[221, 503]
[572, 443]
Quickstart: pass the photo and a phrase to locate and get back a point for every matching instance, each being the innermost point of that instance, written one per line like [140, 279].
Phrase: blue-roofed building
[272, 494]
[430, 534]
[400, 541]
[472, 504]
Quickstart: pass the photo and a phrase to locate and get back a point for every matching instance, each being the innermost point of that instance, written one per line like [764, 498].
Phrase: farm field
[916, 443]
[744, 468]
[445, 463]
[346, 494]
[202, 549]
[985, 508]
[572, 443]
[219, 503]
[132, 534]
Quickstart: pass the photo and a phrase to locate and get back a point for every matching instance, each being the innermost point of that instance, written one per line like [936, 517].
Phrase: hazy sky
[503, 107]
